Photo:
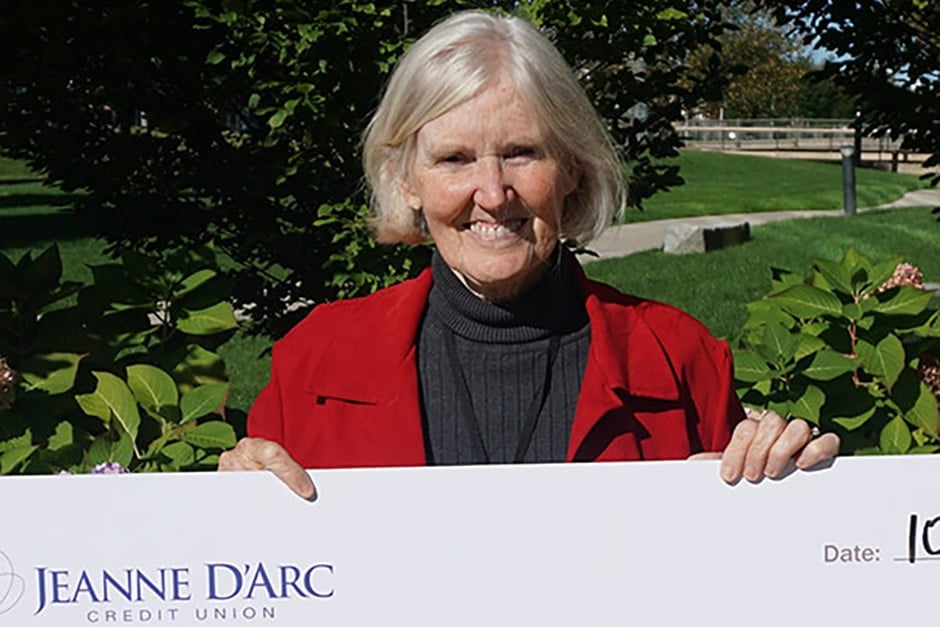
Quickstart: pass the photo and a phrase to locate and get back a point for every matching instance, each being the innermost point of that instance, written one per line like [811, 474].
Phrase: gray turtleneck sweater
[501, 352]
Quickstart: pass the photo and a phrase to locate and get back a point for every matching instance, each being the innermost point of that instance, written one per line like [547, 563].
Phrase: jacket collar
[627, 352]
[373, 345]
[626, 355]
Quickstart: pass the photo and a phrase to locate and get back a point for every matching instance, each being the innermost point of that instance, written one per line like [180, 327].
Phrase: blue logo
[11, 585]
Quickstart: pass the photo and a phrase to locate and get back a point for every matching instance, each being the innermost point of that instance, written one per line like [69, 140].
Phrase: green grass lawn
[721, 183]
[713, 287]
[34, 216]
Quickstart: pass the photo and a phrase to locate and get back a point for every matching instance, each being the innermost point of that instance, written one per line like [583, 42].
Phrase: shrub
[849, 348]
[121, 370]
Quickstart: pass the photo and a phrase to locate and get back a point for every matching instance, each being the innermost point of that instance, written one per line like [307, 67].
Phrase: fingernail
[727, 474]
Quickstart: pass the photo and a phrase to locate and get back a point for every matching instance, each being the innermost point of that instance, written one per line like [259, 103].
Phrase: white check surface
[664, 543]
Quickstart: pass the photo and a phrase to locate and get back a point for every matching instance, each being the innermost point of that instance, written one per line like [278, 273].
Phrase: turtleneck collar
[550, 307]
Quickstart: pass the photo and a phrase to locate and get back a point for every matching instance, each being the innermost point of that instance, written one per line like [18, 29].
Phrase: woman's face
[490, 192]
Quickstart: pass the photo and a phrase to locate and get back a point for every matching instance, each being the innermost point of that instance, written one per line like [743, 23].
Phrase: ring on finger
[754, 414]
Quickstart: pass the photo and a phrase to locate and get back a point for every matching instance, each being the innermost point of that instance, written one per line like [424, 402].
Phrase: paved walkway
[626, 239]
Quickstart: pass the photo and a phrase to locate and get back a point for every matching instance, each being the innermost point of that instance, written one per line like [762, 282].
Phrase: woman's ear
[572, 179]
[410, 194]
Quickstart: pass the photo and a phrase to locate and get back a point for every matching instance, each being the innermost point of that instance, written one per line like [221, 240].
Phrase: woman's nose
[490, 184]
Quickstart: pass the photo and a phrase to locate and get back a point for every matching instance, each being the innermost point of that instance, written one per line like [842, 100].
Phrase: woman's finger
[732, 459]
[261, 454]
[769, 429]
[820, 450]
[790, 442]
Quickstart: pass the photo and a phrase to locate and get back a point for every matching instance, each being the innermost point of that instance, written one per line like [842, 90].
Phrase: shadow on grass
[20, 230]
[20, 181]
[34, 200]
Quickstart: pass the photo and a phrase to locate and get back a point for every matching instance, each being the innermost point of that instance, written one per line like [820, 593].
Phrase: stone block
[685, 238]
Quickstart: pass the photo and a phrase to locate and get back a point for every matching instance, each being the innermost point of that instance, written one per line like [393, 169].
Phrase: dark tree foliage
[254, 111]
[887, 55]
[823, 99]
[632, 56]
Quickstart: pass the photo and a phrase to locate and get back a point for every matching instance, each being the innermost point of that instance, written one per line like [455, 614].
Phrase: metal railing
[778, 134]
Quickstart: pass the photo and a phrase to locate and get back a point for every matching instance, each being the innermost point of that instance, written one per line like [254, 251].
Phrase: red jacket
[344, 383]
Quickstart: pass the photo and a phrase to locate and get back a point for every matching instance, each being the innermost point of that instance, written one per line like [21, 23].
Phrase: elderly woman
[502, 351]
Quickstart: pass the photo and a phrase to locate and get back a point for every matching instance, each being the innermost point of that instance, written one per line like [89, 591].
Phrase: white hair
[452, 63]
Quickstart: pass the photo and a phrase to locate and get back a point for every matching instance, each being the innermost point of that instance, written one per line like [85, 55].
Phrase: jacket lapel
[379, 351]
[625, 359]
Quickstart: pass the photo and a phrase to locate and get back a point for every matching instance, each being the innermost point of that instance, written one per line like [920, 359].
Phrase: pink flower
[904, 274]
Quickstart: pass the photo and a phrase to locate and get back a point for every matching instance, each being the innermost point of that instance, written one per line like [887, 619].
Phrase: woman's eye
[454, 158]
[521, 152]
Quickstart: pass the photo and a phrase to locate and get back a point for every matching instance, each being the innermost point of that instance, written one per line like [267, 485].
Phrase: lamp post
[848, 180]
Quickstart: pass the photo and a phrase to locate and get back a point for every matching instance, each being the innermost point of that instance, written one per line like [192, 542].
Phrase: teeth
[495, 231]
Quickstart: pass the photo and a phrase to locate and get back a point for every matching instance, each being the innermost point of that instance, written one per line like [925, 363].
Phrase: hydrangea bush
[119, 372]
[852, 347]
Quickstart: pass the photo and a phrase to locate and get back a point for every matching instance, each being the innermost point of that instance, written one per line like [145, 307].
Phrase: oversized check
[662, 543]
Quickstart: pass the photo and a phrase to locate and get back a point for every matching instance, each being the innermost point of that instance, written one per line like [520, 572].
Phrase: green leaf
[761, 312]
[926, 449]
[835, 275]
[277, 120]
[856, 265]
[180, 453]
[827, 365]
[808, 344]
[671, 13]
[152, 387]
[43, 274]
[805, 301]
[781, 279]
[886, 360]
[112, 401]
[215, 57]
[214, 319]
[94, 405]
[881, 272]
[117, 291]
[925, 412]
[852, 311]
[781, 408]
[193, 281]
[53, 373]
[808, 405]
[64, 436]
[930, 328]
[214, 434]
[13, 457]
[111, 447]
[780, 343]
[197, 366]
[203, 400]
[25, 439]
[895, 438]
[903, 300]
[750, 368]
[851, 423]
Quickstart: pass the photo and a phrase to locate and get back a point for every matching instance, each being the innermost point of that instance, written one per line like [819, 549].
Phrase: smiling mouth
[495, 231]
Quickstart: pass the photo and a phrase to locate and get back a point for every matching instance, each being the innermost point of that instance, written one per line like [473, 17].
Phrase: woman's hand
[261, 454]
[764, 443]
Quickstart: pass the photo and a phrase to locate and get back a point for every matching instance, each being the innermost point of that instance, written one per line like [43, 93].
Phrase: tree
[823, 98]
[887, 55]
[768, 66]
[238, 122]
[632, 60]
